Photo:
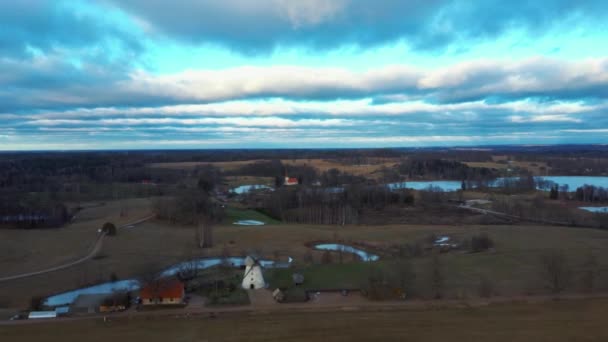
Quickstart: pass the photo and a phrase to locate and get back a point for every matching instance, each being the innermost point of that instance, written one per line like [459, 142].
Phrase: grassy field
[513, 266]
[556, 321]
[234, 181]
[369, 170]
[500, 163]
[31, 250]
[226, 166]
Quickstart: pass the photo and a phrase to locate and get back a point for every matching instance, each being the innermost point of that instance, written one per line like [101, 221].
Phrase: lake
[603, 210]
[572, 182]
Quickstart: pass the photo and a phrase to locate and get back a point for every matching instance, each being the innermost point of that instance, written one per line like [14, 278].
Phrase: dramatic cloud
[265, 24]
[38, 26]
[301, 73]
[45, 83]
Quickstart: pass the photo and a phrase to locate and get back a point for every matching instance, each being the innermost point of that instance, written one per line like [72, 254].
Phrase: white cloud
[591, 130]
[309, 12]
[236, 121]
[364, 107]
[477, 79]
[543, 118]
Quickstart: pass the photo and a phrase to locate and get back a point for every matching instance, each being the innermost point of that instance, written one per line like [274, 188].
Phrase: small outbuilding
[278, 295]
[87, 303]
[42, 314]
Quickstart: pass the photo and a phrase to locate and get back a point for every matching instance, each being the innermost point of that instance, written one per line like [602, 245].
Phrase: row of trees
[444, 169]
[590, 193]
[331, 205]
[554, 273]
[32, 211]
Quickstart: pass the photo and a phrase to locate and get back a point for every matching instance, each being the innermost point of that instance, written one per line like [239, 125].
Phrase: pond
[68, 297]
[365, 256]
[603, 210]
[243, 189]
[249, 223]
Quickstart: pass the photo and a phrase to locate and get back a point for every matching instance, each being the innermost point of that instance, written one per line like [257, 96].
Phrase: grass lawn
[557, 321]
[216, 296]
[225, 297]
[330, 276]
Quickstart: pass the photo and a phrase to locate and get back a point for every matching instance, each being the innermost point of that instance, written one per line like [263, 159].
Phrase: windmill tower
[253, 279]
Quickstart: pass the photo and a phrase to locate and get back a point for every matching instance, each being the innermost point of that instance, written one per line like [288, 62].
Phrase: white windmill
[253, 278]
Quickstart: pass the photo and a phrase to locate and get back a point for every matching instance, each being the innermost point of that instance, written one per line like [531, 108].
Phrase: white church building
[253, 278]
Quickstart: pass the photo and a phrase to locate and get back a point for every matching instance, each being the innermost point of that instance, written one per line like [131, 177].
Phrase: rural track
[512, 217]
[96, 248]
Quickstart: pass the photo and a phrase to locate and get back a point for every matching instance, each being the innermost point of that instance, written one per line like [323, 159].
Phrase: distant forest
[41, 189]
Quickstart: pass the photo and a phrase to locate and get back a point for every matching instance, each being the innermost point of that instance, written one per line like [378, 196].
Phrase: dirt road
[96, 248]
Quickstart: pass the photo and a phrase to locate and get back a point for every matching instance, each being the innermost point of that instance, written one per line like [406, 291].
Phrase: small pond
[249, 223]
[365, 256]
[243, 189]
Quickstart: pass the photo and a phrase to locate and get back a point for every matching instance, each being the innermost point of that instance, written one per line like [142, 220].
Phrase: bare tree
[204, 232]
[308, 258]
[436, 277]
[555, 270]
[589, 272]
[341, 254]
[486, 287]
[326, 258]
[151, 276]
[188, 269]
[404, 276]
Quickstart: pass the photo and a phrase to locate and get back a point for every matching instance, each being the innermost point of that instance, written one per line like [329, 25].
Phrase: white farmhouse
[253, 279]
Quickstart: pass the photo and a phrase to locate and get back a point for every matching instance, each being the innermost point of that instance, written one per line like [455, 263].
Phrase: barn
[163, 292]
[290, 181]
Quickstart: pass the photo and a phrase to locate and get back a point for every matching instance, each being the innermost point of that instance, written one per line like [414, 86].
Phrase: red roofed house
[291, 181]
[163, 292]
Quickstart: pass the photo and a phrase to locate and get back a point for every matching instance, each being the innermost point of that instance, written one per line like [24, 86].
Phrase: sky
[186, 74]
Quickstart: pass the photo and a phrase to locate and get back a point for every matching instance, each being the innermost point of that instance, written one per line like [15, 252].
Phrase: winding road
[96, 248]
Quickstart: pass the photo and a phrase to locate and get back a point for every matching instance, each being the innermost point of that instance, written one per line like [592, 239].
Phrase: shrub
[36, 303]
[486, 287]
[109, 229]
[555, 270]
[326, 258]
[481, 243]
